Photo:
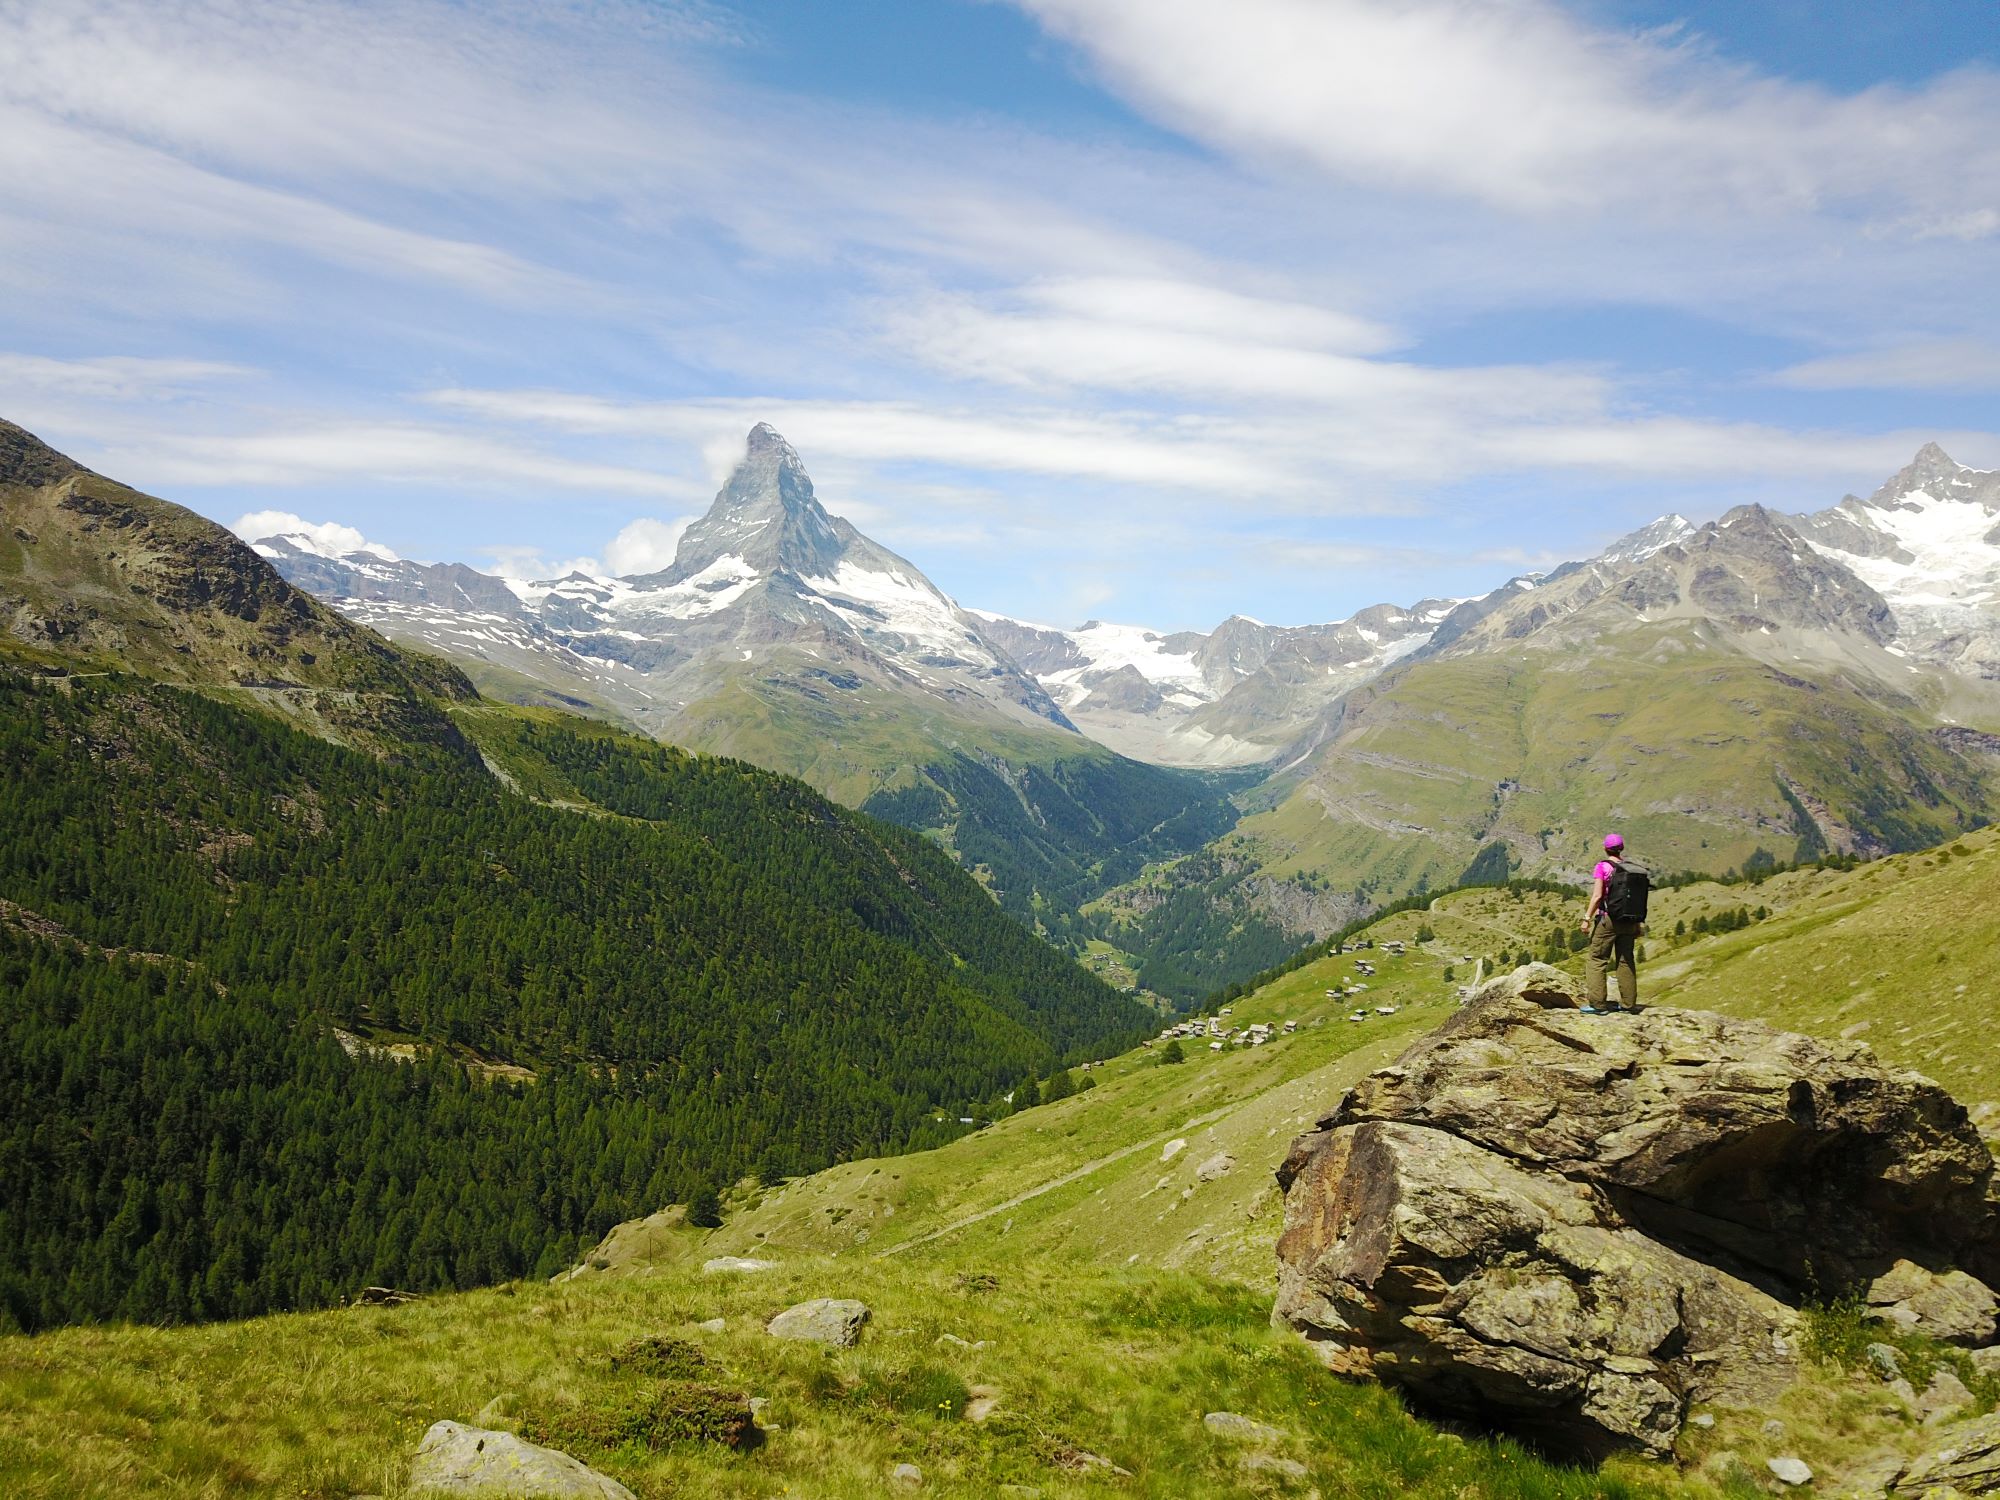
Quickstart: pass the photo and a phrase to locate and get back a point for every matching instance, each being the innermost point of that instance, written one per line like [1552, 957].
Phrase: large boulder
[1575, 1225]
[457, 1460]
[835, 1321]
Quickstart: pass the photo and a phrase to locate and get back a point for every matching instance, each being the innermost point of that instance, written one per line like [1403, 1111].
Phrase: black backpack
[1625, 892]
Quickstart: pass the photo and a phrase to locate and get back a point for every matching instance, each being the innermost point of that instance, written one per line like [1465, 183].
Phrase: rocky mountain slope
[96, 577]
[766, 579]
[783, 636]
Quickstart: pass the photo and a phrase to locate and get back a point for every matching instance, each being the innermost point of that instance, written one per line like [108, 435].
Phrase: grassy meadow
[1078, 1282]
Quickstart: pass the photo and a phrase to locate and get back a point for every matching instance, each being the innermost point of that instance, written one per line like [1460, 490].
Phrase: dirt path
[1050, 1186]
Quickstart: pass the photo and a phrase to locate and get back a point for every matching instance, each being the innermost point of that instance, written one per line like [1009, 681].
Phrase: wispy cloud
[1527, 106]
[1933, 365]
[433, 261]
[378, 453]
[109, 377]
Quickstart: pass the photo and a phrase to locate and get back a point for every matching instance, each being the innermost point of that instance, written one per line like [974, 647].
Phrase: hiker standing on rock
[1613, 920]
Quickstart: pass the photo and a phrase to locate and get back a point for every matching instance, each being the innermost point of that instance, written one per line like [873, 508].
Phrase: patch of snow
[892, 602]
[1110, 648]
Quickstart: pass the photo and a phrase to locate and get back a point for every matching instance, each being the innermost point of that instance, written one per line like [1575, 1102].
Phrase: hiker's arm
[1596, 902]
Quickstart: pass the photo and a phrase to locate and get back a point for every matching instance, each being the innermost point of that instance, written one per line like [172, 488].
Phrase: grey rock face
[835, 1321]
[459, 1460]
[1789, 1470]
[1242, 1429]
[1948, 1305]
[1969, 1462]
[1575, 1226]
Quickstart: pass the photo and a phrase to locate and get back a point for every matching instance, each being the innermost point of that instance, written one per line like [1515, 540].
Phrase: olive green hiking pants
[1609, 940]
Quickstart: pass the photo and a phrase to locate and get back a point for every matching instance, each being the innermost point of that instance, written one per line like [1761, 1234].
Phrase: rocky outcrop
[458, 1460]
[1575, 1226]
[1968, 1464]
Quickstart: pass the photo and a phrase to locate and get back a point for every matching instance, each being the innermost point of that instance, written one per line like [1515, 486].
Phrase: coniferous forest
[279, 1018]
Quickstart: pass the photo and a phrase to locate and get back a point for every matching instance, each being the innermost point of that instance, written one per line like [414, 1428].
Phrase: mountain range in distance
[1761, 687]
[768, 571]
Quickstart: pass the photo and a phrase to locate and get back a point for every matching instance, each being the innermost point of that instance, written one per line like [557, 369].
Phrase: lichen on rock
[1575, 1226]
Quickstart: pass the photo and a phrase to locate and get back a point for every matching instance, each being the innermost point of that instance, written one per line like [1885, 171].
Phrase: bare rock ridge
[100, 574]
[1576, 1226]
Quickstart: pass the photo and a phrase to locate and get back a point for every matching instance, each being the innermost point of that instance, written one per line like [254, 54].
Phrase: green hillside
[707, 968]
[1046, 819]
[1096, 1288]
[1701, 755]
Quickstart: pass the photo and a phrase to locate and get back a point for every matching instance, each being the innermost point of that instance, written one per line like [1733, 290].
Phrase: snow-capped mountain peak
[1639, 545]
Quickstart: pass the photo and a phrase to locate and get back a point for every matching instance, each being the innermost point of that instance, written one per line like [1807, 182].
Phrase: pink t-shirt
[1603, 870]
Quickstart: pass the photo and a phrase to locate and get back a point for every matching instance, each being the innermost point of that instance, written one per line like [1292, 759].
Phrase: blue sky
[1150, 310]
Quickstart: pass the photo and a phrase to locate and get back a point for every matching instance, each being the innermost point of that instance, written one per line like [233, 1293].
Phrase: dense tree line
[713, 971]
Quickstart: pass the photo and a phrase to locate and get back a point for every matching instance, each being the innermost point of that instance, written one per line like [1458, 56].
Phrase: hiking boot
[1589, 1010]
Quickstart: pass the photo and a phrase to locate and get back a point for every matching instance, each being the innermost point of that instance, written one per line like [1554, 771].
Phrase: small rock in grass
[1789, 1470]
[1218, 1165]
[1774, 1429]
[1172, 1149]
[834, 1321]
[1271, 1463]
[713, 1325]
[1243, 1429]
[907, 1475]
[726, 1263]
[983, 1398]
[1883, 1361]
[459, 1460]
[1703, 1420]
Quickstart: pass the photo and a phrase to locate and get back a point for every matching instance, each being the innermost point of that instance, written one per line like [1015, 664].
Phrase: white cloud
[382, 452]
[532, 564]
[1934, 365]
[1370, 457]
[327, 538]
[643, 546]
[1523, 105]
[1178, 453]
[1262, 355]
[110, 377]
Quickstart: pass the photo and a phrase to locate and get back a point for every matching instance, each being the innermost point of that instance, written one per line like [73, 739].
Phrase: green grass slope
[1046, 819]
[1700, 754]
[1070, 1268]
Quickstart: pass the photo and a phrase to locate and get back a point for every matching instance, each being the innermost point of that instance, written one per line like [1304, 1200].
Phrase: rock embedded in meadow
[459, 1460]
[1242, 1429]
[834, 1321]
[1575, 1226]
[1219, 1165]
[1789, 1470]
[727, 1264]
